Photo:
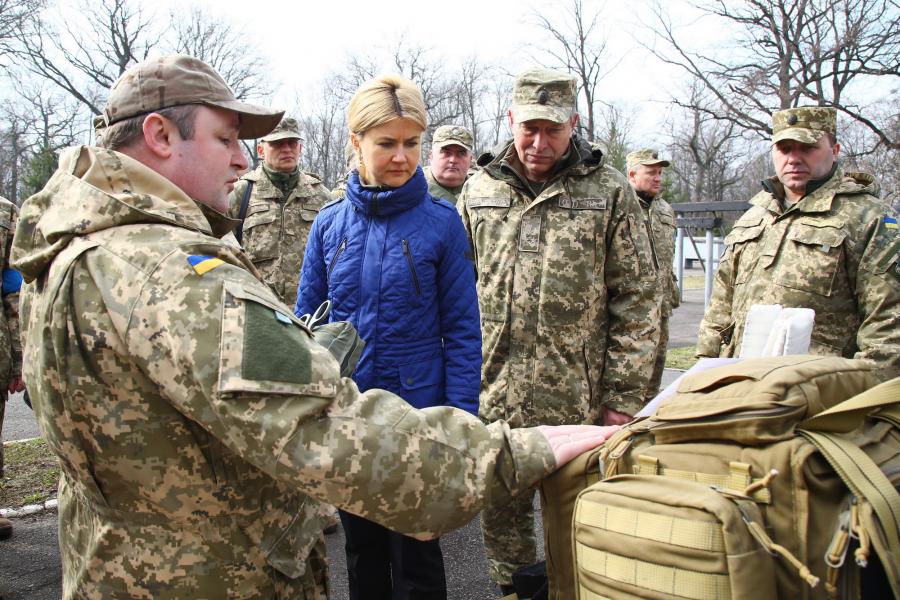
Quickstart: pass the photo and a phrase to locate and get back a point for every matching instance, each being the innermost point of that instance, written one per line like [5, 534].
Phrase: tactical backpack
[768, 478]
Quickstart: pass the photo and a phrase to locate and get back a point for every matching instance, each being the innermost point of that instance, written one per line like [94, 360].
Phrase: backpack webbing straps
[849, 414]
[245, 202]
[865, 480]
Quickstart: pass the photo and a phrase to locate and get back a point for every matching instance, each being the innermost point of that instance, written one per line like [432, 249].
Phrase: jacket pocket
[412, 268]
[334, 259]
[261, 233]
[810, 259]
[744, 244]
[422, 382]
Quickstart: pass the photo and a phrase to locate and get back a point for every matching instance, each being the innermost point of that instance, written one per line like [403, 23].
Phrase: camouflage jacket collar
[821, 198]
[582, 158]
[96, 189]
[266, 189]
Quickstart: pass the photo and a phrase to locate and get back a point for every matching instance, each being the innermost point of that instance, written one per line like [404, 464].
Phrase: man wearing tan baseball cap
[197, 423]
[816, 237]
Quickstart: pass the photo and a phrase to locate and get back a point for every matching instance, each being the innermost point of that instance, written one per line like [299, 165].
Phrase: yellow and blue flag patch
[890, 222]
[204, 264]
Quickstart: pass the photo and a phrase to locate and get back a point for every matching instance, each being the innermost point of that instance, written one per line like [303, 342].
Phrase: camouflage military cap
[177, 80]
[644, 156]
[287, 129]
[543, 94]
[449, 135]
[806, 124]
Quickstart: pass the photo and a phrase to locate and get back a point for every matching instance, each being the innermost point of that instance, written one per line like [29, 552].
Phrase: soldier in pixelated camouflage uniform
[816, 237]
[196, 421]
[566, 287]
[281, 207]
[645, 176]
[452, 150]
[10, 349]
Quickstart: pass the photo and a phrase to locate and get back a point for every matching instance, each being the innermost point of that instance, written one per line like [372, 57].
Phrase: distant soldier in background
[277, 203]
[10, 348]
[451, 156]
[816, 237]
[645, 176]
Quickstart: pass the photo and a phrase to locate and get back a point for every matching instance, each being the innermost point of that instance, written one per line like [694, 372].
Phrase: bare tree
[707, 154]
[617, 123]
[325, 134]
[15, 14]
[580, 48]
[791, 52]
[227, 50]
[84, 55]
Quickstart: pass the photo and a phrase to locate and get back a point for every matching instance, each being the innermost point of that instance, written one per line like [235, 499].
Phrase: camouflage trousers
[660, 363]
[2, 413]
[509, 540]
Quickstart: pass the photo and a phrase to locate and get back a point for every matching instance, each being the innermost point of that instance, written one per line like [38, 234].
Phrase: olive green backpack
[768, 478]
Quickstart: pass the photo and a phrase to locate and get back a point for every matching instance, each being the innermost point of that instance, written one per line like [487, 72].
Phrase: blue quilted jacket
[393, 262]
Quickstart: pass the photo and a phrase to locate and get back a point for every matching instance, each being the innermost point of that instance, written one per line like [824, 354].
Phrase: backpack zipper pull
[861, 555]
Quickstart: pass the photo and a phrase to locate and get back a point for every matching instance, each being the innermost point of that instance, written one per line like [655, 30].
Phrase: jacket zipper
[412, 267]
[334, 258]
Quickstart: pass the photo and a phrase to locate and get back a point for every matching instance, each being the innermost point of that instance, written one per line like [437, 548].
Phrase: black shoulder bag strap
[245, 202]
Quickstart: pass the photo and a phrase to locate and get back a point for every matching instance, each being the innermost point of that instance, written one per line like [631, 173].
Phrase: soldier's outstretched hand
[568, 441]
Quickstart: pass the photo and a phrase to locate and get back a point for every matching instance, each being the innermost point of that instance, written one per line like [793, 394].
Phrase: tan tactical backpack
[768, 478]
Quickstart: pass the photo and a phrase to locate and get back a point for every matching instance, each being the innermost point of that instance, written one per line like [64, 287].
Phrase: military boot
[5, 528]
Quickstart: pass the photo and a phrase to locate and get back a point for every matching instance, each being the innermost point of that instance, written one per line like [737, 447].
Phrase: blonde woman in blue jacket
[393, 260]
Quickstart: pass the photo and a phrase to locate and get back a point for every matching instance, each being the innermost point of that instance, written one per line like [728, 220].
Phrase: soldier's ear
[573, 121]
[159, 135]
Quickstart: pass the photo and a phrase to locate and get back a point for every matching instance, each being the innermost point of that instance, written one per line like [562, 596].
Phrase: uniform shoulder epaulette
[315, 178]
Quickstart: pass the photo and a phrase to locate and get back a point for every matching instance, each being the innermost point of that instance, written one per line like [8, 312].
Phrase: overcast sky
[306, 40]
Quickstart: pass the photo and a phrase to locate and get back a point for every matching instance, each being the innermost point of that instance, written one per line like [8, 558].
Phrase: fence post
[708, 279]
[679, 261]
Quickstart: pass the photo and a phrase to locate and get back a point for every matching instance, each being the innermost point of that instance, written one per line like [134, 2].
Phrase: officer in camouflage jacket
[566, 287]
[816, 237]
[280, 210]
[645, 176]
[196, 421]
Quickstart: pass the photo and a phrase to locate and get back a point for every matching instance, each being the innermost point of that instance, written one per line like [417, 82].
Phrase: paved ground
[29, 561]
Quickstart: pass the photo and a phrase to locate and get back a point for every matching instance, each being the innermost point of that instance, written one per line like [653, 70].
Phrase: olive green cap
[543, 94]
[287, 129]
[450, 135]
[178, 80]
[805, 124]
[644, 156]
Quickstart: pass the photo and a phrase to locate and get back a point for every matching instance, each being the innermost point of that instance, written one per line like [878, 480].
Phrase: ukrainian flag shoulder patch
[890, 222]
[204, 264]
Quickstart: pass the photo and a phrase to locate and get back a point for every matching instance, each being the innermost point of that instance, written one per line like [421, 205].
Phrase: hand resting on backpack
[568, 441]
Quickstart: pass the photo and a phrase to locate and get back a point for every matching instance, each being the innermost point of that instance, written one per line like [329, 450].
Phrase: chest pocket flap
[260, 215]
[744, 231]
[816, 236]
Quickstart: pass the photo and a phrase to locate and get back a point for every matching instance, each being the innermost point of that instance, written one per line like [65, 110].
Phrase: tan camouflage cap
[644, 156]
[449, 135]
[806, 124]
[176, 80]
[543, 94]
[287, 129]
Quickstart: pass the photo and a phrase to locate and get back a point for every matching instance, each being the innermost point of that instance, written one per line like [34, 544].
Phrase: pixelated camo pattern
[830, 252]
[197, 430]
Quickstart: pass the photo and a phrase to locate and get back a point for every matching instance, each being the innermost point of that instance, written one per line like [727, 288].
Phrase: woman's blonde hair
[384, 99]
